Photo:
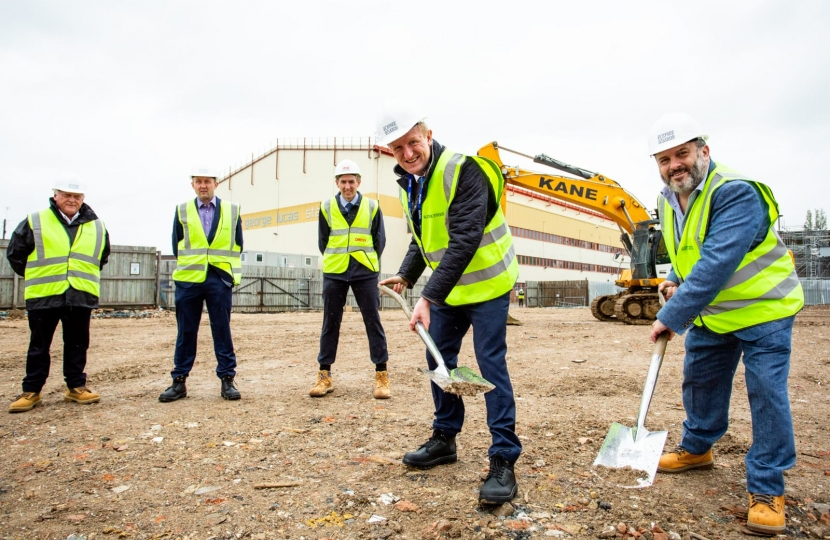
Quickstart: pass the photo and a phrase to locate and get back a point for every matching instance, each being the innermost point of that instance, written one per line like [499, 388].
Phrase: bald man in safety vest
[60, 252]
[733, 286]
[207, 242]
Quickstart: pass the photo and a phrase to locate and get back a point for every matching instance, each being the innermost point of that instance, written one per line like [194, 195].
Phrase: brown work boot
[81, 395]
[382, 385]
[766, 514]
[324, 384]
[25, 402]
[680, 460]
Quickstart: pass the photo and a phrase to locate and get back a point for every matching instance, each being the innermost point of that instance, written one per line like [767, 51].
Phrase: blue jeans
[708, 370]
[190, 298]
[448, 325]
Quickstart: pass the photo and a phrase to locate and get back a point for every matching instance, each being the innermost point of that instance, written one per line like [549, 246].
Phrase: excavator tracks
[637, 308]
[603, 307]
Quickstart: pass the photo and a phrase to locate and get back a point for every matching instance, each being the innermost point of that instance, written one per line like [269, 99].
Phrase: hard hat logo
[396, 119]
[389, 128]
[347, 166]
[672, 130]
[665, 137]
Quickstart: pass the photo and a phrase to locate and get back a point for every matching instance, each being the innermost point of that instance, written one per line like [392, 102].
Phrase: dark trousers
[367, 295]
[190, 298]
[448, 325]
[42, 323]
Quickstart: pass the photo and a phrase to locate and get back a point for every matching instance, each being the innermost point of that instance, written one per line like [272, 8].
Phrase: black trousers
[42, 324]
[367, 295]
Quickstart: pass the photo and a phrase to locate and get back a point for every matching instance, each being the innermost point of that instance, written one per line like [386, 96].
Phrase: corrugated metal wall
[579, 293]
[128, 281]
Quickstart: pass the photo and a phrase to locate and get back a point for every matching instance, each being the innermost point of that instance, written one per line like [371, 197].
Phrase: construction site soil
[279, 464]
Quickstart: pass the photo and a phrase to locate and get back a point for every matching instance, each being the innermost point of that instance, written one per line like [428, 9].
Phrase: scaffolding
[811, 250]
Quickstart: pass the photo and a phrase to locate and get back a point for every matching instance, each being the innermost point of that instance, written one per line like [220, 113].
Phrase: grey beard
[696, 176]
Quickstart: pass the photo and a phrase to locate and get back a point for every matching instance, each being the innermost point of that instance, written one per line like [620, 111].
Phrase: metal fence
[573, 293]
[816, 291]
[128, 281]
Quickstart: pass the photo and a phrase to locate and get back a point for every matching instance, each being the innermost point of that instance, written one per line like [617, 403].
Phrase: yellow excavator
[641, 235]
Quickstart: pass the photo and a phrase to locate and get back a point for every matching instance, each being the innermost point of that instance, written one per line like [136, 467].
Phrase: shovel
[636, 449]
[461, 381]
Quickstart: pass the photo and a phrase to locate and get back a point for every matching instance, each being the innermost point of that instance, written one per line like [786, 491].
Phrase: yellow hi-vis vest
[764, 287]
[55, 265]
[345, 241]
[493, 270]
[194, 253]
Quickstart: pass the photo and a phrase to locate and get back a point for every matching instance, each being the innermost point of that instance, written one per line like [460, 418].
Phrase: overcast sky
[130, 95]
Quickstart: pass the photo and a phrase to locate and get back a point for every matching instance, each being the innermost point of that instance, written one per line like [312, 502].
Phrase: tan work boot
[81, 395]
[680, 460]
[766, 514]
[324, 384]
[25, 402]
[382, 385]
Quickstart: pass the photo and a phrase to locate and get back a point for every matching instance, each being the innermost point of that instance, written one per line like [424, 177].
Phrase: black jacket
[178, 234]
[356, 271]
[469, 213]
[22, 243]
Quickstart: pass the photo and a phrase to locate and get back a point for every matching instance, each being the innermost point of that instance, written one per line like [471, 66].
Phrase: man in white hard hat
[351, 238]
[733, 286]
[60, 252]
[451, 202]
[207, 242]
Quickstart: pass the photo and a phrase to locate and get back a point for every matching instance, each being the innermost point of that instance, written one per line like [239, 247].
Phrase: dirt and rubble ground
[131, 467]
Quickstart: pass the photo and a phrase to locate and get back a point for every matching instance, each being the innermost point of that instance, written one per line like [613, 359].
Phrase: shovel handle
[422, 332]
[651, 378]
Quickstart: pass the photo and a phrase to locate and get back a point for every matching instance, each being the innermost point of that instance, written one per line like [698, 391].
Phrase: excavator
[640, 231]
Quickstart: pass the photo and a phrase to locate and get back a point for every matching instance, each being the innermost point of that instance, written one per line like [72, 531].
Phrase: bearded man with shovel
[451, 203]
[733, 285]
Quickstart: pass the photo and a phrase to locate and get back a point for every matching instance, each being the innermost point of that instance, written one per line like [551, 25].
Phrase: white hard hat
[207, 172]
[69, 185]
[673, 129]
[397, 118]
[347, 166]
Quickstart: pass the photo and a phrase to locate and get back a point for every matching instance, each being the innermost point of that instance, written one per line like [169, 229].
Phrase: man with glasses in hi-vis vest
[60, 252]
[207, 242]
[451, 203]
[733, 286]
[351, 238]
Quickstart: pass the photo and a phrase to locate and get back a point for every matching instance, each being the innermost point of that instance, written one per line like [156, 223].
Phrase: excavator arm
[589, 190]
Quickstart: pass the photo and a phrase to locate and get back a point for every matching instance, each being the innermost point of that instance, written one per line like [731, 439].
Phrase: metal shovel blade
[636, 448]
[622, 450]
[461, 381]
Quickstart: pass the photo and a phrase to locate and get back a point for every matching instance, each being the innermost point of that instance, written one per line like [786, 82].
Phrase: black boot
[500, 485]
[176, 391]
[229, 391]
[437, 450]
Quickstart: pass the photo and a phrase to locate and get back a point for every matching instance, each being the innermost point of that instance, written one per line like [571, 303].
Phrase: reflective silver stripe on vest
[222, 253]
[327, 208]
[183, 219]
[234, 218]
[43, 280]
[490, 272]
[338, 232]
[449, 174]
[354, 249]
[776, 293]
[47, 262]
[83, 275]
[99, 240]
[361, 230]
[715, 181]
[200, 267]
[758, 265]
[488, 238]
[85, 258]
[335, 251]
[37, 229]
[187, 252]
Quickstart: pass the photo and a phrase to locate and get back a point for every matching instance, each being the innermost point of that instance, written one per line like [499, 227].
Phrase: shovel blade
[620, 450]
[462, 381]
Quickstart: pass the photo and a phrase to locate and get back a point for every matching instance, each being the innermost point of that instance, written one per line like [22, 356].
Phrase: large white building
[280, 194]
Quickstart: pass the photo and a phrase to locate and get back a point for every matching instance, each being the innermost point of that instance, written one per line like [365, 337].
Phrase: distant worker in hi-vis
[60, 252]
[207, 242]
[521, 297]
[733, 286]
[351, 238]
